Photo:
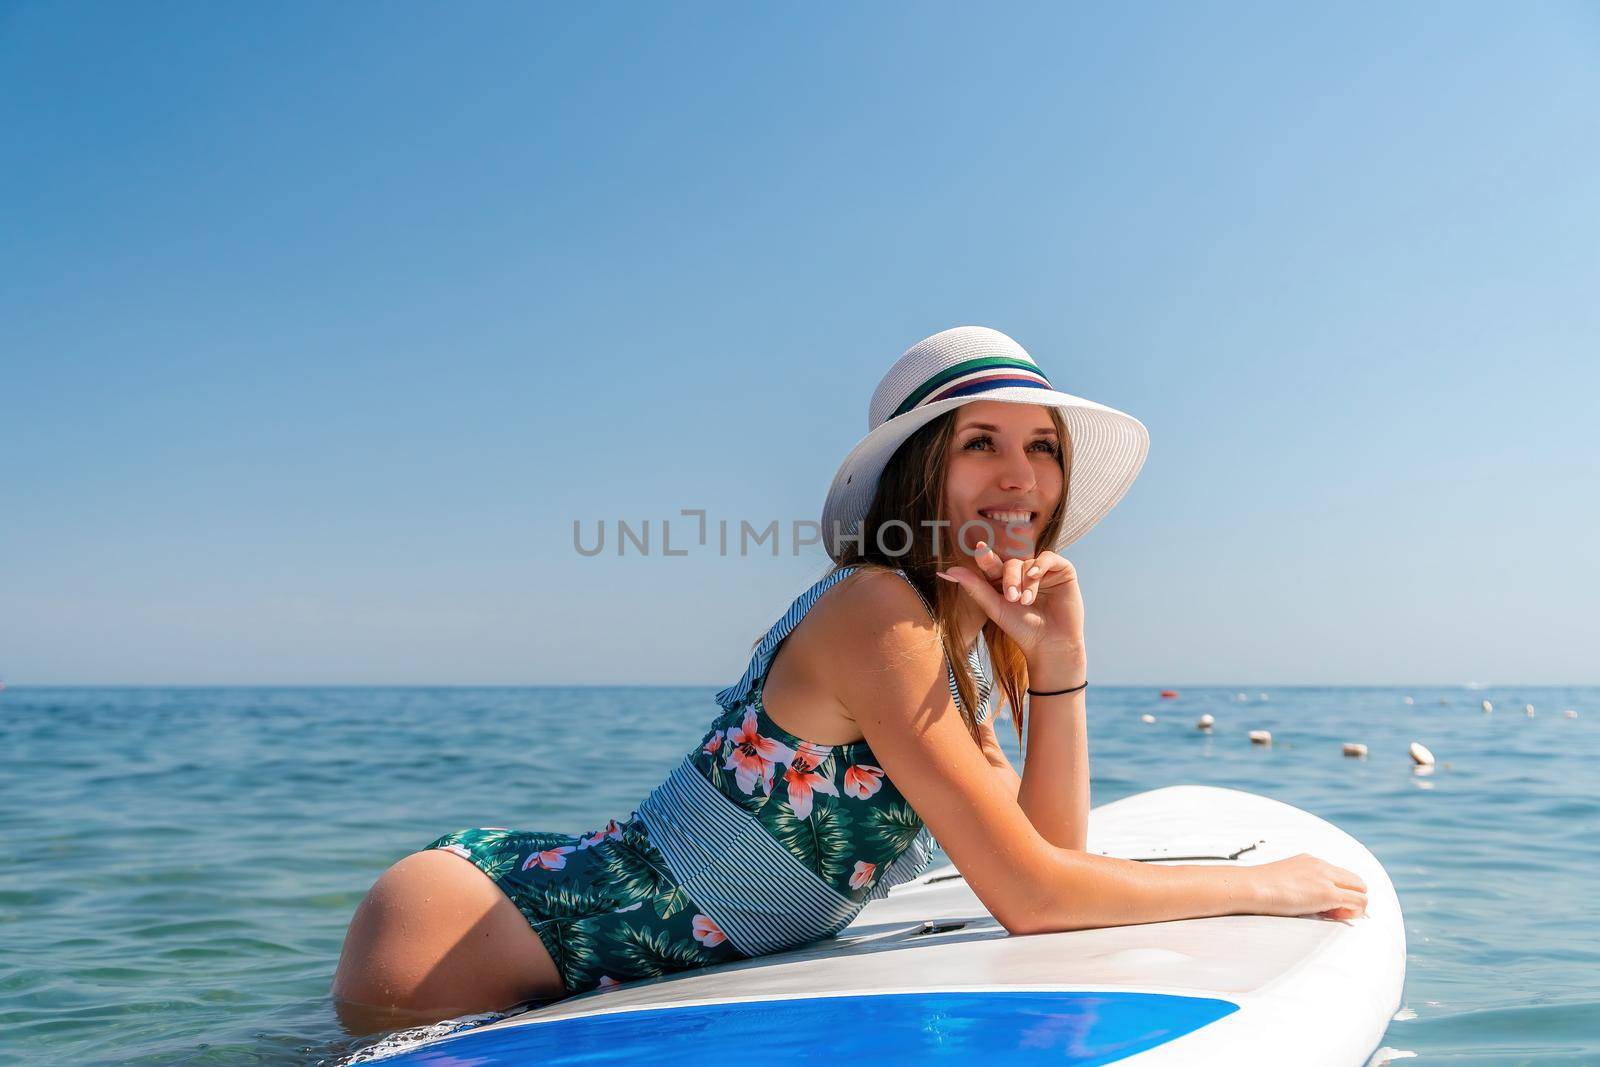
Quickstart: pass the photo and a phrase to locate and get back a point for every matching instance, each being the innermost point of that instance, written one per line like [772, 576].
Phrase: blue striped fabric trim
[753, 888]
[985, 685]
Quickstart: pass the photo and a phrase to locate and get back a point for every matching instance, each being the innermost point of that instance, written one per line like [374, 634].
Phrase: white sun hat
[967, 363]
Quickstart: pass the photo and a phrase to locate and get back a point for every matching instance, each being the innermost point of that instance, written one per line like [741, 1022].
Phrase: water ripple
[188, 860]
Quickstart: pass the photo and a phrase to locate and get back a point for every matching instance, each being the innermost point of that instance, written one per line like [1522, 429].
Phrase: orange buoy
[1169, 694]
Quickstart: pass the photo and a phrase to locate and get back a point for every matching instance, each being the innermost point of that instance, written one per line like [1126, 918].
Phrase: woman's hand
[1034, 599]
[1305, 885]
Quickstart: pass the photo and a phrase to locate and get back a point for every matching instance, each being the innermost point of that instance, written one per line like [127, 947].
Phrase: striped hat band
[974, 376]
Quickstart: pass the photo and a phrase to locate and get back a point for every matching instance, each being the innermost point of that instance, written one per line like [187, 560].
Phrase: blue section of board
[1013, 1028]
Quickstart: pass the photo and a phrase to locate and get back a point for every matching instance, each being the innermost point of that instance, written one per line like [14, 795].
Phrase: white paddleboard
[927, 975]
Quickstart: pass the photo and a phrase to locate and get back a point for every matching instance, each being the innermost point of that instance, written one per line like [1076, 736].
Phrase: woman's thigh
[436, 937]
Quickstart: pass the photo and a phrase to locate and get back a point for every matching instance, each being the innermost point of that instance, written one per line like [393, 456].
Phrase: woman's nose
[1017, 472]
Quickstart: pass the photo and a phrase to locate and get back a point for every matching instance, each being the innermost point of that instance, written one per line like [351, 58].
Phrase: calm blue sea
[179, 865]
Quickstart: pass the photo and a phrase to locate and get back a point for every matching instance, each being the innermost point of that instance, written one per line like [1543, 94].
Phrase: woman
[817, 785]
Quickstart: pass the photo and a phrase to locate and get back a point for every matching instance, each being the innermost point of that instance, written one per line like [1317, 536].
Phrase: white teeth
[1008, 516]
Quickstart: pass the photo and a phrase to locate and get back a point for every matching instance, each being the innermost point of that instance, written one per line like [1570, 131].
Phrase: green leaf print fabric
[604, 903]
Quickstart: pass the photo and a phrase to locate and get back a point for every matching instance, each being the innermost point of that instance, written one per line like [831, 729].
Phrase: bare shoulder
[876, 637]
[808, 689]
[872, 602]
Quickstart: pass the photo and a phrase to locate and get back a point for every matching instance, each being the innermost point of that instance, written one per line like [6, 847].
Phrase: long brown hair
[911, 492]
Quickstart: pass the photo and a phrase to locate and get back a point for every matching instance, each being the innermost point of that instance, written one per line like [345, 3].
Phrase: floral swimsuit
[607, 906]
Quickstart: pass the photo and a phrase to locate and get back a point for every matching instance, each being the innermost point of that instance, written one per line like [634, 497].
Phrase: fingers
[978, 588]
[1031, 577]
[1048, 570]
[1346, 880]
[989, 561]
[1035, 571]
[1011, 580]
[1350, 906]
[1019, 580]
[1005, 573]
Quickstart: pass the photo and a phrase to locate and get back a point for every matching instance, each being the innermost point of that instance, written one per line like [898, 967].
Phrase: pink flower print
[753, 756]
[551, 859]
[611, 830]
[707, 932]
[809, 756]
[457, 849]
[713, 743]
[802, 783]
[607, 982]
[863, 873]
[861, 780]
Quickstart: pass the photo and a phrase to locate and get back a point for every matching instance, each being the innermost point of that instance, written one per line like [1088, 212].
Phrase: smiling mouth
[1008, 517]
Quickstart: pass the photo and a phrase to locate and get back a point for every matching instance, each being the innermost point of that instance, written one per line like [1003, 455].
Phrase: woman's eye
[1050, 447]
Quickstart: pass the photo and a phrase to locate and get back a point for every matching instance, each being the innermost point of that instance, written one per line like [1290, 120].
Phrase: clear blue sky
[320, 324]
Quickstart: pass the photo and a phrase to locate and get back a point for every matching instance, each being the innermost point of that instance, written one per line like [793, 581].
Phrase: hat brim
[1108, 448]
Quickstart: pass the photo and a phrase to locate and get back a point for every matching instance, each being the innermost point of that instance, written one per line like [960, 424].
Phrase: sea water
[178, 866]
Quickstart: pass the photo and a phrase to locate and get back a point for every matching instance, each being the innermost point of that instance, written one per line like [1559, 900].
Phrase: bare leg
[435, 938]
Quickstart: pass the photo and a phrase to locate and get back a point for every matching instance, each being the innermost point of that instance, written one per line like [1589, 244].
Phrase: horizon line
[1467, 687]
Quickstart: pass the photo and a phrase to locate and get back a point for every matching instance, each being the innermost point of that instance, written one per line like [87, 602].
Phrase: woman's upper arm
[890, 676]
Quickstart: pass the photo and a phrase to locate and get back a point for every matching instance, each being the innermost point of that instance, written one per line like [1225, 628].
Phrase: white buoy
[1420, 754]
[1261, 737]
[1569, 713]
[1352, 749]
[1147, 718]
[1263, 696]
[1207, 722]
[1241, 696]
[1410, 701]
[1487, 707]
[1529, 709]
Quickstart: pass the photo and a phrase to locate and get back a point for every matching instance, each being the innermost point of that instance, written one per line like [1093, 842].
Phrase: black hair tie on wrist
[1058, 692]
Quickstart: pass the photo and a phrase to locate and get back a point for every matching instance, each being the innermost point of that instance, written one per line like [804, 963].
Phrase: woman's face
[1003, 478]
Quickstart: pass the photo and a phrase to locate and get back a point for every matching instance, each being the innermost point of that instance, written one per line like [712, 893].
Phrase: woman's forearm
[1089, 891]
[1055, 768]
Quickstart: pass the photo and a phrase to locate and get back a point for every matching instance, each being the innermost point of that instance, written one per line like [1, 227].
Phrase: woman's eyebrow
[995, 429]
